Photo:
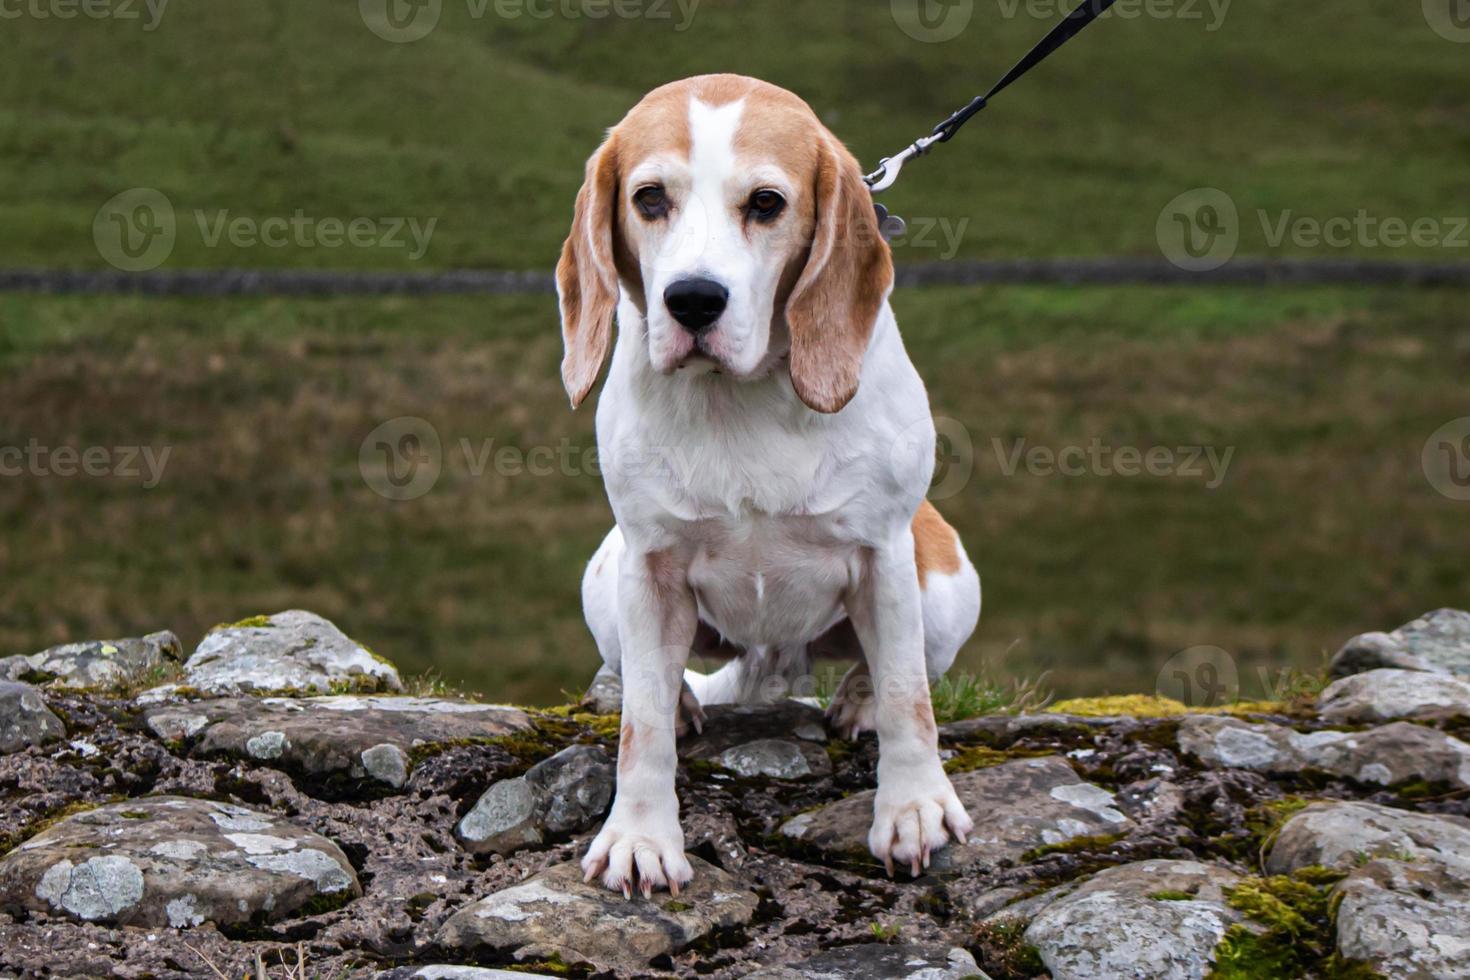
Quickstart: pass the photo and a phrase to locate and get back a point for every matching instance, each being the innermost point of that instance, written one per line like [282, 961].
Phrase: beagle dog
[766, 445]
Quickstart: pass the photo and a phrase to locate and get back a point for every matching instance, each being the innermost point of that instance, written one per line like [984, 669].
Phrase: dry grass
[288, 966]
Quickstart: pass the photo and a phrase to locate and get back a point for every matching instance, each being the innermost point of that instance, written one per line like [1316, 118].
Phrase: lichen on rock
[293, 651]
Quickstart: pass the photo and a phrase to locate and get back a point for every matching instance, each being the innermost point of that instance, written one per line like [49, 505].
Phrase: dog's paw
[645, 854]
[691, 714]
[915, 815]
[854, 709]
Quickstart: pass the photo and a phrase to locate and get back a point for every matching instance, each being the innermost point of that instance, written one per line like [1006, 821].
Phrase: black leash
[888, 169]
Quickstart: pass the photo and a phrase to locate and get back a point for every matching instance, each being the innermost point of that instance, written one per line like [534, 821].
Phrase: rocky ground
[278, 806]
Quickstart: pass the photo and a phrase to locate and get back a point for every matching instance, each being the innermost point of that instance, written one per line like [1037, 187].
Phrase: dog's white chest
[764, 580]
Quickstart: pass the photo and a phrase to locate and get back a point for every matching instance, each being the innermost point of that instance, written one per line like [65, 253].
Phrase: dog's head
[742, 230]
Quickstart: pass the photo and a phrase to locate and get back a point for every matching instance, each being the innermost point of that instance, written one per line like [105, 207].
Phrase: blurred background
[1292, 501]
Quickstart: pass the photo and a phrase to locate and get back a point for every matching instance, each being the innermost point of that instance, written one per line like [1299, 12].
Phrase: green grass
[1323, 527]
[275, 106]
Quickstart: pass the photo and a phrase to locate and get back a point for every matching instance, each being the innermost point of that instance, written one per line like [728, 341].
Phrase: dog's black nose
[696, 303]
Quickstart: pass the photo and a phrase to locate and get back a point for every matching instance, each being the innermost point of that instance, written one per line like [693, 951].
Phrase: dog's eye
[765, 205]
[652, 202]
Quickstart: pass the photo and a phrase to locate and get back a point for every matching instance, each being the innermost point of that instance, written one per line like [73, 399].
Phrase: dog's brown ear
[587, 277]
[848, 275]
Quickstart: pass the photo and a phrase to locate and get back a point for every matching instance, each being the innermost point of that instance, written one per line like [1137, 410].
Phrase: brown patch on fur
[936, 545]
[587, 275]
[626, 741]
[924, 716]
[848, 274]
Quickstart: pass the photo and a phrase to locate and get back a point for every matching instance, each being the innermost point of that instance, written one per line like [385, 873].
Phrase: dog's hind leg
[600, 599]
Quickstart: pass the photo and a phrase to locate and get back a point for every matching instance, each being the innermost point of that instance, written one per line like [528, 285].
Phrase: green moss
[571, 722]
[1002, 950]
[885, 933]
[1168, 895]
[839, 751]
[1248, 841]
[323, 903]
[1290, 933]
[1131, 705]
[1255, 708]
[1316, 874]
[677, 906]
[248, 623]
[1423, 789]
[554, 966]
[968, 758]
[427, 750]
[376, 655]
[1150, 706]
[1271, 817]
[1076, 845]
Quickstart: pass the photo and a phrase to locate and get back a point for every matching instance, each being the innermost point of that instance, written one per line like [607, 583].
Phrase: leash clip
[891, 225]
[890, 167]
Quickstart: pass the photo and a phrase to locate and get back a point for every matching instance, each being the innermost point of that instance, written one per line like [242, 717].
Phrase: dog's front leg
[915, 801]
[642, 844]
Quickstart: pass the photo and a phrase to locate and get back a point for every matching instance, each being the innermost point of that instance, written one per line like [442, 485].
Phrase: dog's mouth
[700, 361]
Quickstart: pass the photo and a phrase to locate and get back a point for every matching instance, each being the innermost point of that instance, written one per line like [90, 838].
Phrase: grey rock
[1404, 908]
[1386, 756]
[575, 787]
[605, 695]
[1015, 726]
[1344, 835]
[24, 718]
[1018, 806]
[95, 664]
[387, 763]
[776, 758]
[556, 913]
[1404, 921]
[1438, 642]
[174, 861]
[874, 961]
[503, 820]
[1132, 921]
[344, 737]
[291, 651]
[561, 795]
[1386, 695]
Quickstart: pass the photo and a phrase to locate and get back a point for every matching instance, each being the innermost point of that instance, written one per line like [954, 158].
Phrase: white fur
[738, 506]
